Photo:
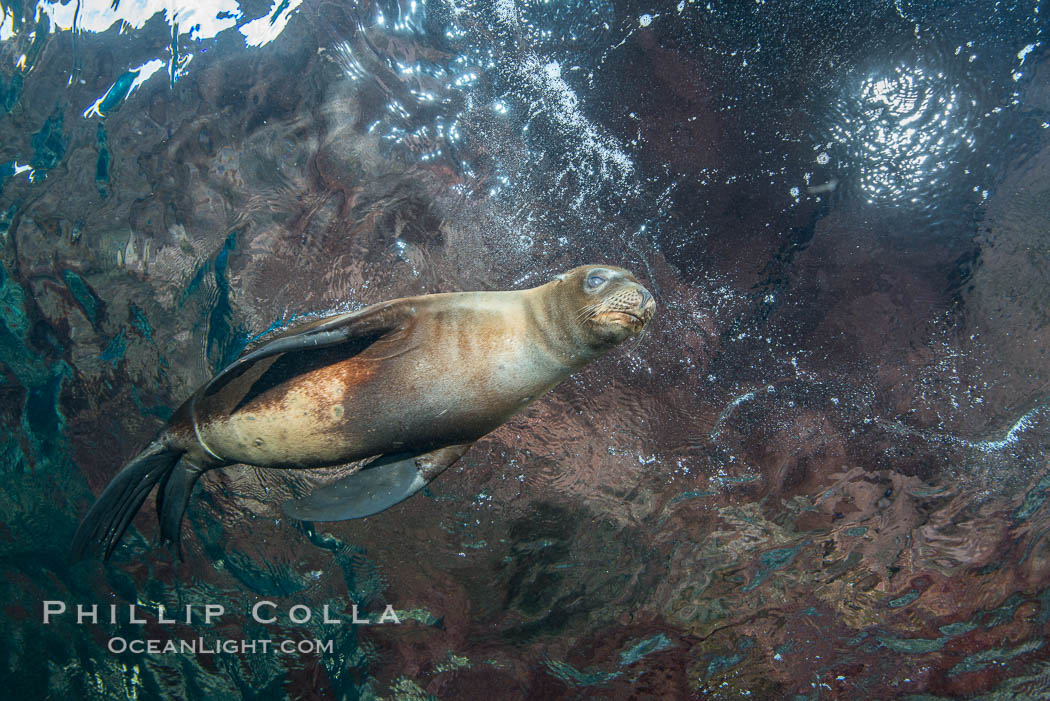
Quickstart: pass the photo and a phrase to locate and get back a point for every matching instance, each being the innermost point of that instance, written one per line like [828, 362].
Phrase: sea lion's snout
[631, 307]
[643, 310]
[647, 306]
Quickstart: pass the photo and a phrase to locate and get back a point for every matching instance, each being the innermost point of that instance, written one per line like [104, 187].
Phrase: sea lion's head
[606, 304]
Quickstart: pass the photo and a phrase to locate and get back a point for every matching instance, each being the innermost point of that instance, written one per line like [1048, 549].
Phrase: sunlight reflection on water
[905, 131]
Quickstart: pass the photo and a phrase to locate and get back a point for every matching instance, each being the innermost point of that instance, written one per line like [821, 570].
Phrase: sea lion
[410, 384]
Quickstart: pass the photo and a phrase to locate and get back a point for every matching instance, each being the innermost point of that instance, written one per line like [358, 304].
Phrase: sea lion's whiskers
[640, 337]
[588, 310]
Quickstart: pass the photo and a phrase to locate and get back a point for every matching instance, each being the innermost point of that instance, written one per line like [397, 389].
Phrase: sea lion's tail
[106, 521]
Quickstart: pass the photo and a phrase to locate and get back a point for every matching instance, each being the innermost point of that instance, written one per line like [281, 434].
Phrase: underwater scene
[744, 391]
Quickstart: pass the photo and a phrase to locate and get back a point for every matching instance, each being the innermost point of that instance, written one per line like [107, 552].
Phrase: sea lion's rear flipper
[361, 329]
[383, 483]
[106, 521]
[172, 499]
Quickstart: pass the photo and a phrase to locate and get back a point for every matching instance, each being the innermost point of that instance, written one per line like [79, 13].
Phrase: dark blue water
[822, 474]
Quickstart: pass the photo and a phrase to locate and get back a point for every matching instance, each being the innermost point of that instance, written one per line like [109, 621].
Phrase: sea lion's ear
[561, 276]
[361, 328]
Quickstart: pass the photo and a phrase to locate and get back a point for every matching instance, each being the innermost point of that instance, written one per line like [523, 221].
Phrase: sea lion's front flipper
[361, 328]
[385, 482]
[364, 493]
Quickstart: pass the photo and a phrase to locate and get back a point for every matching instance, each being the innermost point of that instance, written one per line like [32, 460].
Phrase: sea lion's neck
[556, 327]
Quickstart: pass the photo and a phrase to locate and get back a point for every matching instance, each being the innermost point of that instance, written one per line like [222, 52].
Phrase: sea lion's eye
[595, 281]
